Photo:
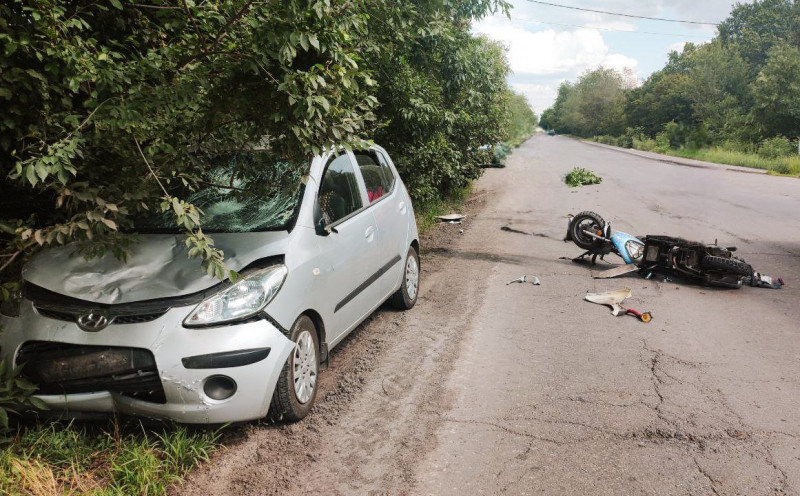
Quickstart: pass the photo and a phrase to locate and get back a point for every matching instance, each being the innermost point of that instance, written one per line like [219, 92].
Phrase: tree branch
[151, 169]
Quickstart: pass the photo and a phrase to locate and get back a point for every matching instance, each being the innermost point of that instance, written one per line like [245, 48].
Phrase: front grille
[136, 319]
[55, 314]
[71, 315]
[62, 368]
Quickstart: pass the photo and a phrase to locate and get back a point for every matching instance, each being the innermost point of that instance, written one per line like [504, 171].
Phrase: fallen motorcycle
[704, 264]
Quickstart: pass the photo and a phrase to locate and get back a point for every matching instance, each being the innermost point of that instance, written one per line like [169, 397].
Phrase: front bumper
[183, 398]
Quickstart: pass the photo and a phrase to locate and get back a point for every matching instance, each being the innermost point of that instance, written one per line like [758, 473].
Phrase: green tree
[594, 105]
[105, 104]
[753, 28]
[777, 92]
[714, 86]
[663, 97]
[522, 119]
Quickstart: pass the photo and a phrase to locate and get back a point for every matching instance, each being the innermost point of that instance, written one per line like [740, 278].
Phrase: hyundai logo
[93, 322]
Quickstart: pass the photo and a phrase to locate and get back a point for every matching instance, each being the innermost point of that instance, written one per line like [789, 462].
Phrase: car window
[378, 177]
[339, 195]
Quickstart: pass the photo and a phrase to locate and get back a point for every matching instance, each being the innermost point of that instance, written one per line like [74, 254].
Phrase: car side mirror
[319, 222]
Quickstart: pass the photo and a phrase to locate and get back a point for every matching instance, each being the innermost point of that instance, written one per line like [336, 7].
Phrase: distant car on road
[319, 250]
[551, 132]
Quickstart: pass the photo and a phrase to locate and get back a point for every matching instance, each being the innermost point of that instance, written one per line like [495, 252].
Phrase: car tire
[297, 385]
[406, 296]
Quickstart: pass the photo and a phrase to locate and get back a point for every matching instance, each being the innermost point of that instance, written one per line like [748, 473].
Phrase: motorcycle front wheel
[586, 221]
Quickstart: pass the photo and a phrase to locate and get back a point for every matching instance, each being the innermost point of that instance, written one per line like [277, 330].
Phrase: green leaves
[15, 394]
[102, 107]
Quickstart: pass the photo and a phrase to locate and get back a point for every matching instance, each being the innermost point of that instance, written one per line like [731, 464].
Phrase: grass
[58, 457]
[788, 165]
[781, 165]
[426, 212]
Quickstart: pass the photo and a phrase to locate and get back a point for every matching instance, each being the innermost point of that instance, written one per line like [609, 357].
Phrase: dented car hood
[158, 267]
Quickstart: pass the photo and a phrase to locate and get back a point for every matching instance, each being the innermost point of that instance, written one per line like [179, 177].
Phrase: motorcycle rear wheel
[728, 265]
[588, 221]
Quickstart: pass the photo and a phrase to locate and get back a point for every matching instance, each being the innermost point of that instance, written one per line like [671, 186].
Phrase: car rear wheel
[297, 385]
[405, 297]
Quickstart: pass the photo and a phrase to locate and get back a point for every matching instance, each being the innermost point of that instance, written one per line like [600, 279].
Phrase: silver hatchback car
[157, 337]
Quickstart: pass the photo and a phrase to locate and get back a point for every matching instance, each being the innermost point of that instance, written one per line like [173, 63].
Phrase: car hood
[158, 267]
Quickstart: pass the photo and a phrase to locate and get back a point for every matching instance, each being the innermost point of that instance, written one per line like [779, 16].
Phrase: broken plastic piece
[613, 299]
[523, 279]
[451, 218]
[617, 271]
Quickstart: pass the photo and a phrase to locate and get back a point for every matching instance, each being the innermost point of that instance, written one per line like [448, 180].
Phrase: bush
[580, 176]
[698, 137]
[644, 143]
[776, 147]
[607, 140]
[499, 153]
[676, 134]
[662, 143]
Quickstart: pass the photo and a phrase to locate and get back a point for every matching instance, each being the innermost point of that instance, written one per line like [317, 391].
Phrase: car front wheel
[297, 385]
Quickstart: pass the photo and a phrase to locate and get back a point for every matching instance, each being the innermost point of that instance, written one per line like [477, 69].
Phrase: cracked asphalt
[489, 388]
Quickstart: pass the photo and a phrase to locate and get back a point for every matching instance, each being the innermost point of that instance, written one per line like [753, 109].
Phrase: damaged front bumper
[155, 368]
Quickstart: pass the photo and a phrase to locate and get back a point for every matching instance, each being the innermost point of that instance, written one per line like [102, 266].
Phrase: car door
[391, 215]
[348, 249]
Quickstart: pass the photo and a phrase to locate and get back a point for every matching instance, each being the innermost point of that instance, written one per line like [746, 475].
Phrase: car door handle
[369, 233]
[402, 207]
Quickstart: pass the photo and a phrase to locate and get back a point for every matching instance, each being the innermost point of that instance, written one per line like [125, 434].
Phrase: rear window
[241, 193]
[378, 177]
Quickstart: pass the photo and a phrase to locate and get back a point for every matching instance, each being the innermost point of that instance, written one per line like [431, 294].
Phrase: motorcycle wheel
[589, 221]
[729, 265]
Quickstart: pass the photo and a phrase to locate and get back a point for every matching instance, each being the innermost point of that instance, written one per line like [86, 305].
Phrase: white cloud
[551, 52]
[677, 47]
[690, 10]
[540, 96]
[548, 45]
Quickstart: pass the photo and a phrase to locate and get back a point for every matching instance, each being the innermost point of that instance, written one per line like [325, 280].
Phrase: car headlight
[240, 301]
[634, 249]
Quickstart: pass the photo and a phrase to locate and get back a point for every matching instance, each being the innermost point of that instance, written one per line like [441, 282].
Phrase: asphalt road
[488, 388]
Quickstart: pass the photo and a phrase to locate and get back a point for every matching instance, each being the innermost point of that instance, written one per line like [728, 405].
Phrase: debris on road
[523, 279]
[617, 271]
[510, 229]
[579, 176]
[762, 281]
[614, 299]
[451, 218]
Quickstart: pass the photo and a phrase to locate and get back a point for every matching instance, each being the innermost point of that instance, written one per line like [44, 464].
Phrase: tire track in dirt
[378, 405]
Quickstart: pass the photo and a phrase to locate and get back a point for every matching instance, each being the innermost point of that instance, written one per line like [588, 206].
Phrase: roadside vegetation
[579, 176]
[106, 458]
[105, 104]
[734, 100]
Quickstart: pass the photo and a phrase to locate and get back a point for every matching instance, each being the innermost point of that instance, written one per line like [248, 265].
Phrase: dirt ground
[490, 388]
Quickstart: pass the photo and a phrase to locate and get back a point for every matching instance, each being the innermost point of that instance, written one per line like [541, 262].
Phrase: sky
[548, 45]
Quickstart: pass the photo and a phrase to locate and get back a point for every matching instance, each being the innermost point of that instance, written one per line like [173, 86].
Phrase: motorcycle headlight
[634, 249]
[240, 301]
